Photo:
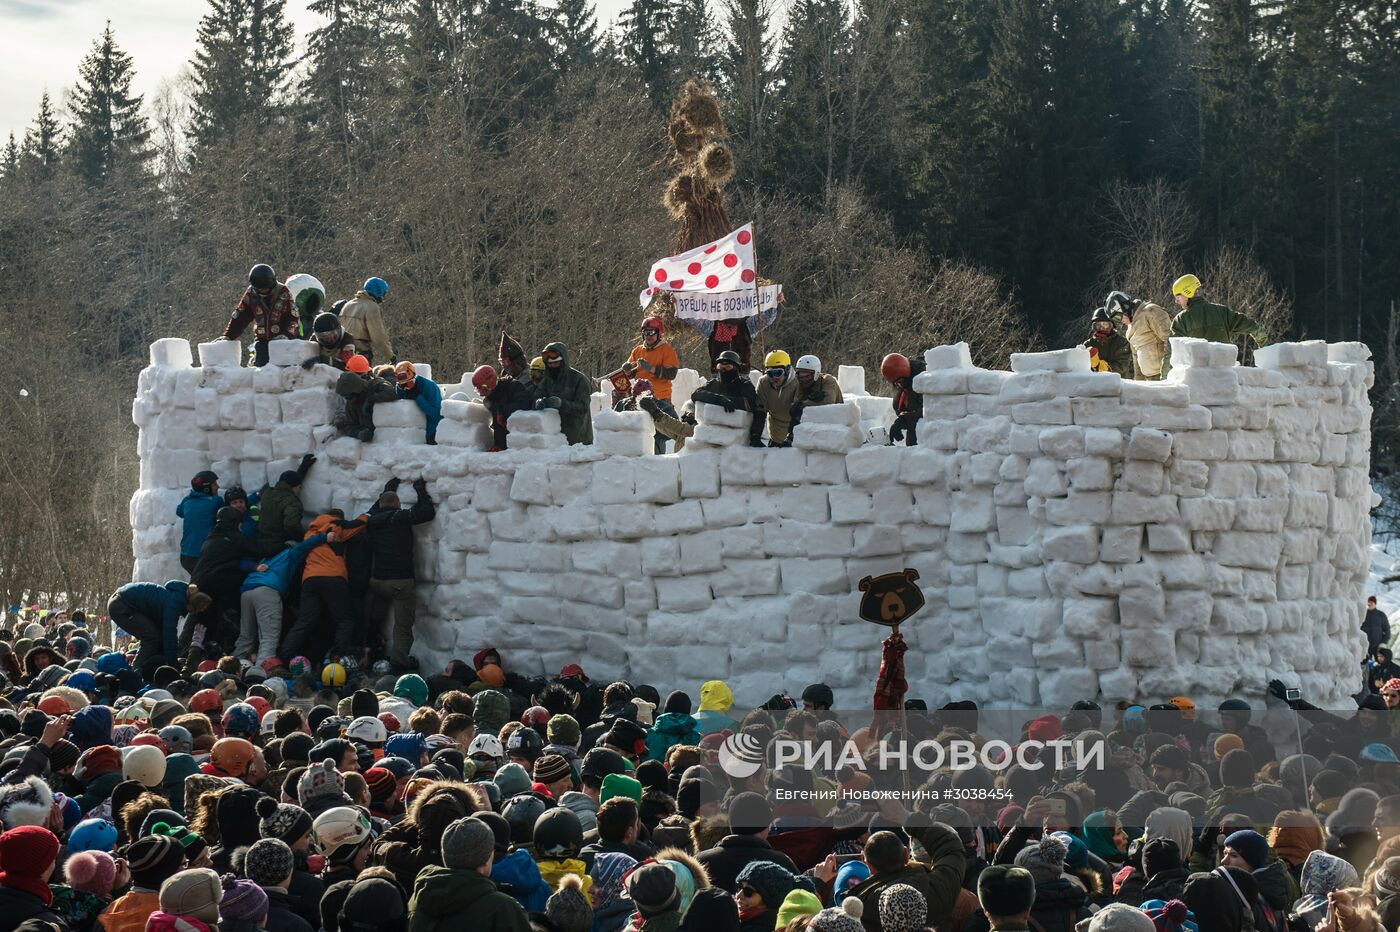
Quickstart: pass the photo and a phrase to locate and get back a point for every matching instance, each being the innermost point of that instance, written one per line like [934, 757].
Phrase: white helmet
[368, 729]
[486, 746]
[810, 362]
[269, 722]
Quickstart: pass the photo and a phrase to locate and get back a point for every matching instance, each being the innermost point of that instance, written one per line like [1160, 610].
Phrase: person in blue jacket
[424, 392]
[236, 497]
[260, 602]
[151, 613]
[197, 509]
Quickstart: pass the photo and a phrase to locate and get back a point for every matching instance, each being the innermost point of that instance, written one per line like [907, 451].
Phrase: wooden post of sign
[890, 600]
[757, 299]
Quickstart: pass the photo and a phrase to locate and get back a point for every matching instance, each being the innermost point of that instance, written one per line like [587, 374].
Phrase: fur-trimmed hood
[27, 803]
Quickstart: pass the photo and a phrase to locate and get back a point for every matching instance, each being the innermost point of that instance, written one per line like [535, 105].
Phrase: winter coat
[575, 393]
[1059, 906]
[735, 394]
[391, 536]
[1164, 885]
[129, 913]
[908, 404]
[824, 390]
[363, 319]
[735, 852]
[1276, 885]
[1376, 627]
[426, 394]
[1147, 334]
[1115, 351]
[197, 508]
[508, 397]
[305, 891]
[518, 875]
[78, 907]
[1214, 322]
[446, 899]
[361, 394]
[776, 402]
[282, 914]
[279, 515]
[282, 568]
[164, 604]
[273, 318]
[221, 557]
[939, 880]
[17, 906]
[669, 730]
[328, 559]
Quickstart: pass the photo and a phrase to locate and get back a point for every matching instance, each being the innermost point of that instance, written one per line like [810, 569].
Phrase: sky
[46, 39]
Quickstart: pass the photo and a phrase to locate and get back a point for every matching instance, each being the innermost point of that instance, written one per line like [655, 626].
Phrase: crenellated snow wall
[1075, 534]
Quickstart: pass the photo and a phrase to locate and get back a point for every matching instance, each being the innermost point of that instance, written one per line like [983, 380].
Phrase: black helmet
[203, 480]
[234, 493]
[558, 834]
[1102, 314]
[1119, 303]
[728, 356]
[262, 276]
[325, 322]
[525, 742]
[522, 812]
[228, 516]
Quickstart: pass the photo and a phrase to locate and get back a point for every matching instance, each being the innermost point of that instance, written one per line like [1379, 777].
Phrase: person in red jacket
[268, 306]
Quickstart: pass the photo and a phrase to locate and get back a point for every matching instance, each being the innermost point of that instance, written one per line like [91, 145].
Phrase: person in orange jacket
[325, 591]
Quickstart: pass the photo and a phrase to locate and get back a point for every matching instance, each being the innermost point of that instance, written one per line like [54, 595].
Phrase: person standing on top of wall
[512, 356]
[363, 319]
[1114, 354]
[814, 388]
[268, 306]
[567, 391]
[423, 391]
[1149, 326]
[502, 397]
[899, 371]
[657, 361]
[776, 393]
[1200, 318]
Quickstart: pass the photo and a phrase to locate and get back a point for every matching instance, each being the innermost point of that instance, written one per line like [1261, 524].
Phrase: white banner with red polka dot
[727, 264]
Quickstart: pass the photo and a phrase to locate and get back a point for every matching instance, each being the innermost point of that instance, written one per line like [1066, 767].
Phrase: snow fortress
[1076, 535]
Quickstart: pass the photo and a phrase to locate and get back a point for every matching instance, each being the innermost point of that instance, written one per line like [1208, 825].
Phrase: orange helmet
[358, 364]
[206, 701]
[404, 373]
[232, 755]
[894, 367]
[54, 705]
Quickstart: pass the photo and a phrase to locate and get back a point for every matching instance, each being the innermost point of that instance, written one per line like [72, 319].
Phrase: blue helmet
[409, 745]
[240, 721]
[376, 288]
[111, 662]
[92, 835]
[83, 681]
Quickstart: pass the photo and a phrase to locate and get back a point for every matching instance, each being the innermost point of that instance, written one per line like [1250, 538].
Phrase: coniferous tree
[644, 28]
[748, 77]
[810, 124]
[41, 140]
[574, 32]
[108, 125]
[241, 65]
[9, 161]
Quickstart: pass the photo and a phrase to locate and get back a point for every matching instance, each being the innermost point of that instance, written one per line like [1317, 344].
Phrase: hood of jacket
[676, 724]
[1274, 886]
[563, 352]
[321, 524]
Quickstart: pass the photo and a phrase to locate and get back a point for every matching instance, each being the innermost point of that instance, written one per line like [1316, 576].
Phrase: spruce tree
[9, 163]
[574, 33]
[241, 64]
[41, 141]
[107, 121]
[810, 126]
[645, 27]
[749, 79]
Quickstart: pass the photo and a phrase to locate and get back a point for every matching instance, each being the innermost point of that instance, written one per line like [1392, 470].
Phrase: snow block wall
[1076, 535]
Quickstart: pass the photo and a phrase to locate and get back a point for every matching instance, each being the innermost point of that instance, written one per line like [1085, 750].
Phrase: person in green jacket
[460, 897]
[1112, 348]
[567, 391]
[939, 880]
[1207, 321]
[280, 518]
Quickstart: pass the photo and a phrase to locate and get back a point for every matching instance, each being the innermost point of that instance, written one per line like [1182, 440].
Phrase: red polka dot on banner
[711, 281]
[711, 248]
[731, 260]
[651, 291]
[693, 268]
[748, 275]
[661, 275]
[744, 237]
[678, 283]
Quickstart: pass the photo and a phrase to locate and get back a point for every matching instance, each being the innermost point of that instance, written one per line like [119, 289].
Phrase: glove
[541, 404]
[729, 407]
[308, 363]
[392, 485]
[647, 403]
[420, 486]
[1278, 690]
[896, 432]
[306, 462]
[552, 402]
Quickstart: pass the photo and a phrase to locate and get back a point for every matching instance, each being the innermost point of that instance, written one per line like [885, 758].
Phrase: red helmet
[153, 740]
[259, 704]
[653, 323]
[358, 364]
[206, 700]
[894, 367]
[484, 380]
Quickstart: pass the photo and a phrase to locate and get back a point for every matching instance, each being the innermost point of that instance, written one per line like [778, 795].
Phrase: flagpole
[757, 294]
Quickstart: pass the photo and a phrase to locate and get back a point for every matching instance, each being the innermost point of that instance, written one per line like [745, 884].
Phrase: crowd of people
[240, 795]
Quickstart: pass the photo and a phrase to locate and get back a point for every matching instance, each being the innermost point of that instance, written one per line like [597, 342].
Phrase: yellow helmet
[1186, 286]
[537, 363]
[776, 359]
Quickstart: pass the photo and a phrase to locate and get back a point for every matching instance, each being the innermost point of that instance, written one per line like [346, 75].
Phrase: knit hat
[320, 780]
[1160, 854]
[268, 862]
[195, 892]
[772, 882]
[672, 831]
[412, 687]
[153, 859]
[798, 902]
[1005, 891]
[25, 803]
[1385, 883]
[364, 702]
[549, 768]
[145, 765]
[467, 843]
[242, 899]
[569, 908]
[372, 904]
[617, 784]
[282, 821]
[1237, 768]
[191, 842]
[903, 909]
[1174, 916]
[845, 918]
[91, 872]
[652, 888]
[64, 754]
[562, 729]
[381, 784]
[1227, 743]
[1117, 917]
[1045, 859]
[1251, 846]
[512, 780]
